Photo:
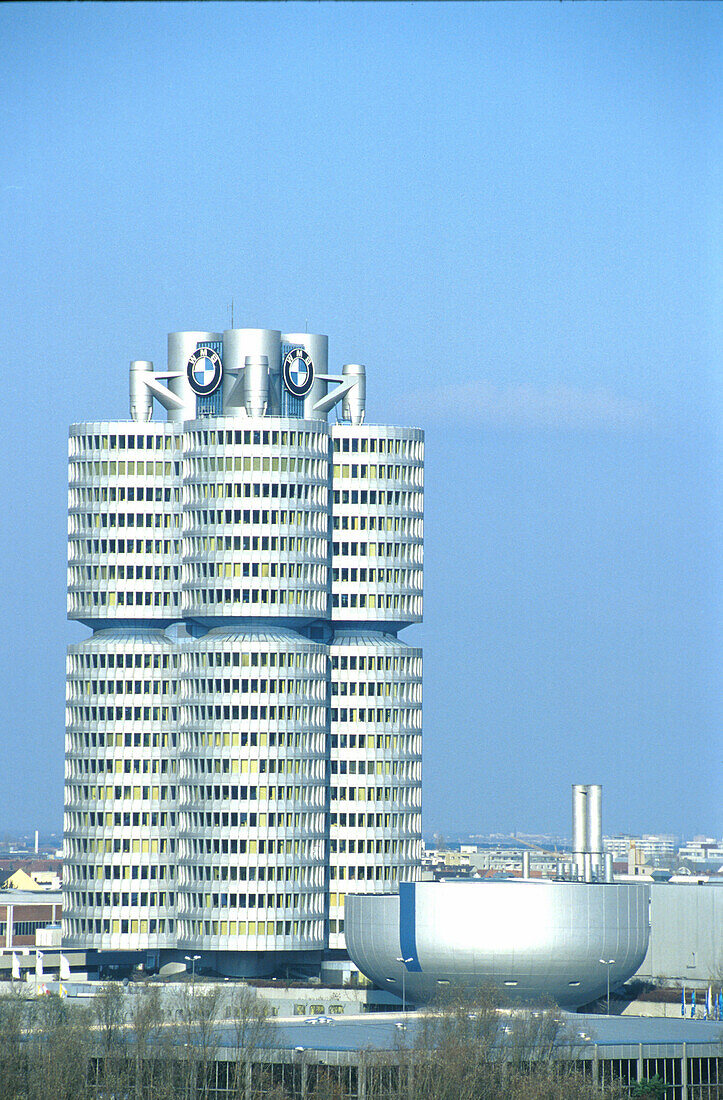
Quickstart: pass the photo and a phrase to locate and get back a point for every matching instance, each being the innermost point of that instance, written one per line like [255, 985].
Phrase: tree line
[141, 1047]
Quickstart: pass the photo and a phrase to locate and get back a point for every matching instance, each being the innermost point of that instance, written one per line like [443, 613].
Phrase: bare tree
[470, 1049]
[59, 1056]
[16, 1015]
[252, 1031]
[109, 1019]
[152, 1046]
[197, 1010]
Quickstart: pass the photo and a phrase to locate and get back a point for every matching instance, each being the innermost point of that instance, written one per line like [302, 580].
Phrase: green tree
[649, 1088]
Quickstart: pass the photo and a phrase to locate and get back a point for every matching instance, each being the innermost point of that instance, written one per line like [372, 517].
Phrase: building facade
[243, 741]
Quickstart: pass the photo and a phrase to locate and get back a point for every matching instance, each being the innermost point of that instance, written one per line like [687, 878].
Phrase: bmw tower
[243, 744]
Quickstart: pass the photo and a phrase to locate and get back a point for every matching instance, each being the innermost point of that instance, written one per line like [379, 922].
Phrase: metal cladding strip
[407, 925]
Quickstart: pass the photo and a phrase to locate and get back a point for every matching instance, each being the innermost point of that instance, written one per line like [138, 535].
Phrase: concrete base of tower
[288, 965]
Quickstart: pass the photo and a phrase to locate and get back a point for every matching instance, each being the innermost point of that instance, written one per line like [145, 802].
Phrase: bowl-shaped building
[532, 939]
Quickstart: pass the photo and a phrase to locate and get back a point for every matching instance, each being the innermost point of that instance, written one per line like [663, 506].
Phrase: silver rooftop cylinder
[579, 827]
[141, 398]
[238, 344]
[354, 403]
[256, 384]
[318, 348]
[594, 825]
[181, 346]
[609, 875]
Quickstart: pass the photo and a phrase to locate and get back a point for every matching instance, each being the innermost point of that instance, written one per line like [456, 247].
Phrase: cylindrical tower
[376, 768]
[253, 792]
[378, 507]
[256, 520]
[202, 763]
[124, 523]
[121, 792]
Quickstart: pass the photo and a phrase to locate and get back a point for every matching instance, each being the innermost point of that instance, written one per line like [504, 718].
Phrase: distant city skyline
[511, 215]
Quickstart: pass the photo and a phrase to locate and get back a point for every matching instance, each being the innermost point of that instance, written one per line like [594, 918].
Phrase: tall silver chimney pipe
[579, 828]
[594, 829]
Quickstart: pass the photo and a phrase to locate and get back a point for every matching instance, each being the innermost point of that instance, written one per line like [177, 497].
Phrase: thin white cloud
[530, 405]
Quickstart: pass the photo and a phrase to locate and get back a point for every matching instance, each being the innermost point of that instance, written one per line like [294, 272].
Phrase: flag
[720, 1006]
[709, 1004]
[39, 966]
[682, 1003]
[692, 1006]
[61, 991]
[16, 968]
[64, 969]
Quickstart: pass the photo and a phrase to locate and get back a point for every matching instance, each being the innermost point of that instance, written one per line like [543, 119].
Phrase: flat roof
[40, 896]
[377, 1032]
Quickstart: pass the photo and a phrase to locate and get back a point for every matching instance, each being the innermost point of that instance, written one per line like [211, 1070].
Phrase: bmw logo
[298, 371]
[204, 371]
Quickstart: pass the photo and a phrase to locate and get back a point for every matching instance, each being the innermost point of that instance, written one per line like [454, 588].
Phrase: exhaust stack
[587, 853]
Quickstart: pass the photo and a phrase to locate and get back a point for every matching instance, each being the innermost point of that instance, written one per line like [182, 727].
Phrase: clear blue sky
[511, 214]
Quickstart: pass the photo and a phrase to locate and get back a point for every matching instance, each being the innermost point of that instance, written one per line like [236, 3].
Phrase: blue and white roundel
[204, 371]
[298, 371]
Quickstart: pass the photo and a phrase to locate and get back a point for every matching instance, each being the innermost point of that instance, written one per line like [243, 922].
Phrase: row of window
[165, 440]
[258, 438]
[232, 872]
[78, 522]
[78, 715]
[78, 574]
[397, 499]
[193, 900]
[405, 796]
[379, 473]
[315, 662]
[77, 498]
[406, 718]
[196, 820]
[110, 738]
[82, 926]
[83, 547]
[225, 658]
[86, 471]
[192, 740]
[25, 927]
[208, 713]
[310, 468]
[409, 744]
[121, 766]
[215, 845]
[102, 820]
[143, 899]
[359, 821]
[303, 929]
[119, 794]
[255, 687]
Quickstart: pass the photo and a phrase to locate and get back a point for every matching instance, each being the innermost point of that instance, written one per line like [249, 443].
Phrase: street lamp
[192, 959]
[404, 977]
[608, 963]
